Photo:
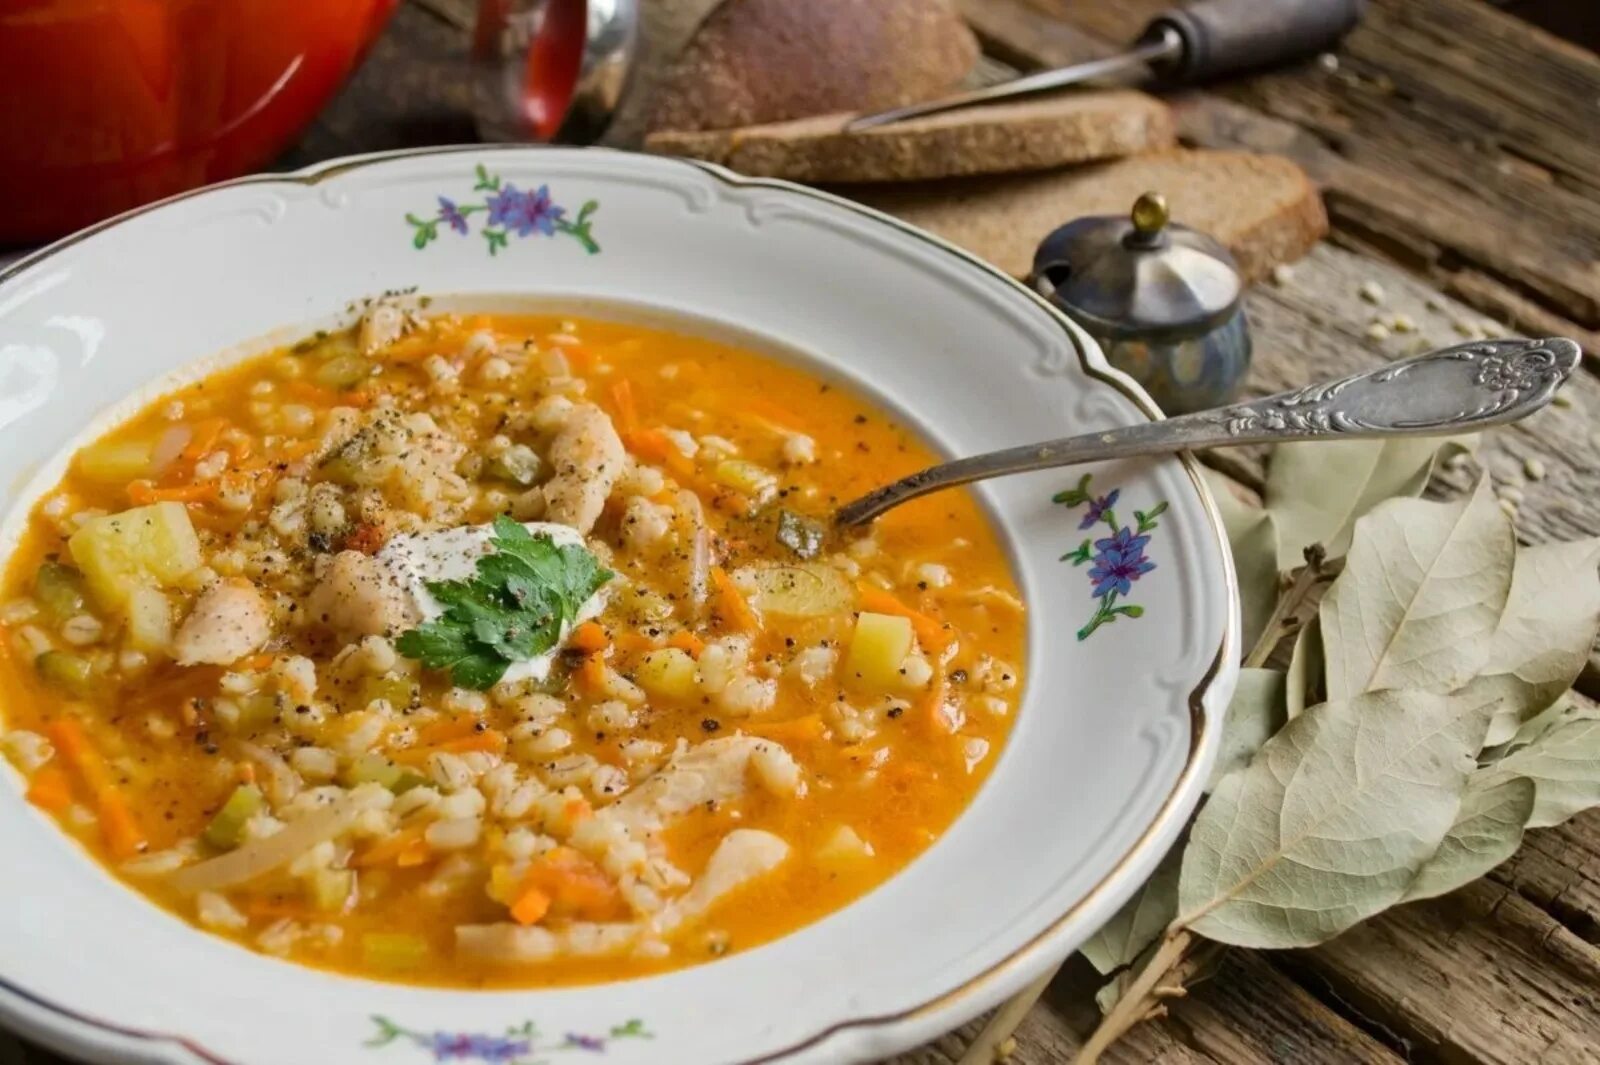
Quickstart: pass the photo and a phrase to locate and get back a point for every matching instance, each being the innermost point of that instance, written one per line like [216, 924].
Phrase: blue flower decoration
[1098, 507]
[524, 212]
[585, 1042]
[452, 215]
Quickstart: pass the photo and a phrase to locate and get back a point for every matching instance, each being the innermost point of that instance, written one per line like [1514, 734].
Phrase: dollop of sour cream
[409, 562]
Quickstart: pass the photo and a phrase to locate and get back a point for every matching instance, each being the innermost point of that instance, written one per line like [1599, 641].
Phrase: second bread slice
[1061, 130]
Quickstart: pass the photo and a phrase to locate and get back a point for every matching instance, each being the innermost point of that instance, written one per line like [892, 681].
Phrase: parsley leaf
[511, 610]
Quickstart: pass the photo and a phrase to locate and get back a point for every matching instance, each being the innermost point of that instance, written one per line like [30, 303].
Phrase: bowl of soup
[422, 636]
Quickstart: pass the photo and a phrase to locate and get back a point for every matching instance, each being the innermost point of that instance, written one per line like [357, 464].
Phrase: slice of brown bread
[998, 139]
[758, 61]
[1263, 207]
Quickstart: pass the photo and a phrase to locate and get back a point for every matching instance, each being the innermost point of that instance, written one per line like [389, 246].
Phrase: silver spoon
[1457, 389]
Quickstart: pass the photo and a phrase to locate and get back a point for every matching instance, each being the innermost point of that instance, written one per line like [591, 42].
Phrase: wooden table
[1456, 146]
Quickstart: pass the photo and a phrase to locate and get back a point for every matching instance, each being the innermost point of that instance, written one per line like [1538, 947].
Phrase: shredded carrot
[589, 638]
[241, 449]
[931, 632]
[256, 663]
[577, 810]
[366, 538]
[473, 739]
[684, 640]
[634, 641]
[141, 493]
[731, 607]
[591, 674]
[767, 410]
[50, 789]
[572, 884]
[531, 906]
[933, 708]
[627, 410]
[416, 852]
[490, 740]
[203, 441]
[247, 772]
[387, 850]
[453, 728]
[653, 445]
[796, 730]
[118, 829]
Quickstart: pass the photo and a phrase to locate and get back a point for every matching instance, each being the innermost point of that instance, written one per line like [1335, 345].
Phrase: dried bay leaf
[1254, 714]
[1253, 542]
[1330, 822]
[1564, 764]
[1121, 940]
[1317, 489]
[1488, 829]
[1303, 683]
[1420, 597]
[1542, 640]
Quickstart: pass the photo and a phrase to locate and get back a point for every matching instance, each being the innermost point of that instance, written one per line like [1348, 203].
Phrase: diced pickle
[400, 692]
[226, 830]
[805, 590]
[376, 769]
[393, 950]
[60, 590]
[518, 463]
[343, 371]
[67, 671]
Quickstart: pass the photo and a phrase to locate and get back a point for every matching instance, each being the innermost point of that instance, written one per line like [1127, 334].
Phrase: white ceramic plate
[1118, 727]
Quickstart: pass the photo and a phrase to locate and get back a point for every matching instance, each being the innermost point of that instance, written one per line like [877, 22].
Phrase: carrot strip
[731, 607]
[589, 638]
[530, 907]
[444, 731]
[806, 729]
[634, 641]
[204, 439]
[653, 445]
[143, 492]
[118, 828]
[270, 910]
[627, 410]
[387, 850]
[933, 704]
[487, 740]
[415, 853]
[591, 674]
[684, 640]
[931, 633]
[767, 410]
[256, 663]
[50, 789]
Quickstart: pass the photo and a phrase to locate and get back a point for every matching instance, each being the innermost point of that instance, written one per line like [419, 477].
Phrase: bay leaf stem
[1145, 994]
[1288, 605]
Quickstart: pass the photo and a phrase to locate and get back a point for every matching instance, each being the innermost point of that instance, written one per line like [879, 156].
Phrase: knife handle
[1226, 36]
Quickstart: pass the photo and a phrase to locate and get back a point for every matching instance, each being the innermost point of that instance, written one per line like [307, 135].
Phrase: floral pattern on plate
[1115, 561]
[523, 1045]
[510, 212]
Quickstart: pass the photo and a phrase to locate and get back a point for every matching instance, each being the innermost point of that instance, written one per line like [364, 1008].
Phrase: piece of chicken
[229, 620]
[714, 771]
[588, 457]
[743, 855]
[355, 597]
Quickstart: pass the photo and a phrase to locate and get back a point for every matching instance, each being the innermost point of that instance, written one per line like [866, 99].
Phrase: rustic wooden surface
[1456, 148]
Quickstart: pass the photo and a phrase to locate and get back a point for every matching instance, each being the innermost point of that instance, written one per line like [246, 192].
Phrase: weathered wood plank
[1559, 868]
[1447, 135]
[1481, 975]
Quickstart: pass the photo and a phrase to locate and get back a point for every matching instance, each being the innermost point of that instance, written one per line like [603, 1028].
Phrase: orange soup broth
[159, 751]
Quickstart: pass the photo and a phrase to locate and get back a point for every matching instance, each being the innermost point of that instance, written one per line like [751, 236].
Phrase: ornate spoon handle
[1451, 390]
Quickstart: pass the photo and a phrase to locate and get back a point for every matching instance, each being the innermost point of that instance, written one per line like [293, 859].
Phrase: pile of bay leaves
[1423, 721]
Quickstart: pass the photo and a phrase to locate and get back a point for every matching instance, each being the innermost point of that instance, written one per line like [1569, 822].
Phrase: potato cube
[878, 647]
[116, 461]
[667, 673]
[149, 621]
[146, 547]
